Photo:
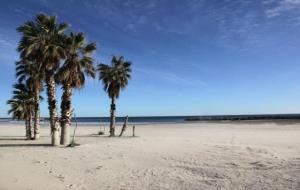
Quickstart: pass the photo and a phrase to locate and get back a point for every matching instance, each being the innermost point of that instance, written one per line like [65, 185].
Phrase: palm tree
[22, 106]
[71, 75]
[28, 71]
[114, 78]
[44, 38]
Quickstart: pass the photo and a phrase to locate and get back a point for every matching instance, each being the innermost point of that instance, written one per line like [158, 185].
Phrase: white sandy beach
[165, 156]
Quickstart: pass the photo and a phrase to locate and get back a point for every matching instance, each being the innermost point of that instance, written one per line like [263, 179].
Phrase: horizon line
[182, 115]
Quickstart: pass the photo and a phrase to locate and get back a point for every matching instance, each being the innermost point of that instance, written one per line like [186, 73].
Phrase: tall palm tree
[44, 38]
[78, 63]
[114, 78]
[27, 70]
[22, 104]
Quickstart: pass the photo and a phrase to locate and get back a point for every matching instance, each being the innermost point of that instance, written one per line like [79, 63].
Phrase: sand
[165, 156]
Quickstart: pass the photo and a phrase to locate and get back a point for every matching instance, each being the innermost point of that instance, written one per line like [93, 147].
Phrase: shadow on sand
[15, 138]
[105, 136]
[12, 139]
[18, 139]
[24, 145]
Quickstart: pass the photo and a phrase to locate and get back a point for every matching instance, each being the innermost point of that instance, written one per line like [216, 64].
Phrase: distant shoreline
[294, 118]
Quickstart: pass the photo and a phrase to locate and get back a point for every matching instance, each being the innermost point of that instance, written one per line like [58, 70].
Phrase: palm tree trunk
[36, 114]
[112, 117]
[27, 128]
[65, 121]
[51, 93]
[30, 126]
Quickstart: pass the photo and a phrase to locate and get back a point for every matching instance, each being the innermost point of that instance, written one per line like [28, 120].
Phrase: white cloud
[283, 6]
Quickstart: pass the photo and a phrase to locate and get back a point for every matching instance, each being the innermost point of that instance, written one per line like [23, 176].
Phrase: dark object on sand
[124, 126]
[101, 133]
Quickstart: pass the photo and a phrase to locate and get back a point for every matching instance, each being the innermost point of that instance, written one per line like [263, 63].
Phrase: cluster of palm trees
[51, 55]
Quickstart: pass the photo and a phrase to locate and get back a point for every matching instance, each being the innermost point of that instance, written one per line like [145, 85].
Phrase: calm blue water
[170, 119]
[119, 120]
[137, 120]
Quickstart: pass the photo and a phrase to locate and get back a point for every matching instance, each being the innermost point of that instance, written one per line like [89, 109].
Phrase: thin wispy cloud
[8, 39]
[4, 43]
[24, 12]
[283, 6]
[171, 78]
[244, 25]
[8, 44]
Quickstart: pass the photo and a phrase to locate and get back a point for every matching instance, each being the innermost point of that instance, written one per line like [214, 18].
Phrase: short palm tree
[78, 63]
[27, 71]
[114, 78]
[44, 39]
[22, 104]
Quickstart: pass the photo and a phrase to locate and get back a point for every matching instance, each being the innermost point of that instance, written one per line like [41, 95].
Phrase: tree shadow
[16, 138]
[19, 138]
[24, 145]
[95, 135]
[106, 136]
[12, 138]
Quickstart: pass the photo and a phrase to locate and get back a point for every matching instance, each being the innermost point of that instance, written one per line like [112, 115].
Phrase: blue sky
[193, 57]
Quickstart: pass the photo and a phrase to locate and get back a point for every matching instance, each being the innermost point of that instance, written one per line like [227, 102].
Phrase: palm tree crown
[21, 102]
[115, 77]
[78, 61]
[44, 39]
[28, 71]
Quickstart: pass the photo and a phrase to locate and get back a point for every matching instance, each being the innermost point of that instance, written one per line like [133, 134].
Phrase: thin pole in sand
[73, 139]
[133, 130]
[101, 132]
[124, 126]
[103, 127]
[75, 127]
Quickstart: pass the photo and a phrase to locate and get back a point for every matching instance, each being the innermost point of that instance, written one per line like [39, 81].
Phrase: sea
[169, 119]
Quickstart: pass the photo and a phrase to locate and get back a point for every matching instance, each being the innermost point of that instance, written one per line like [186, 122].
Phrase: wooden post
[124, 126]
[133, 130]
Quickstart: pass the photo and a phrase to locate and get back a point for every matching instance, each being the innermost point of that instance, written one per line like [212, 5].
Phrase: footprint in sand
[61, 178]
[258, 165]
[232, 164]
